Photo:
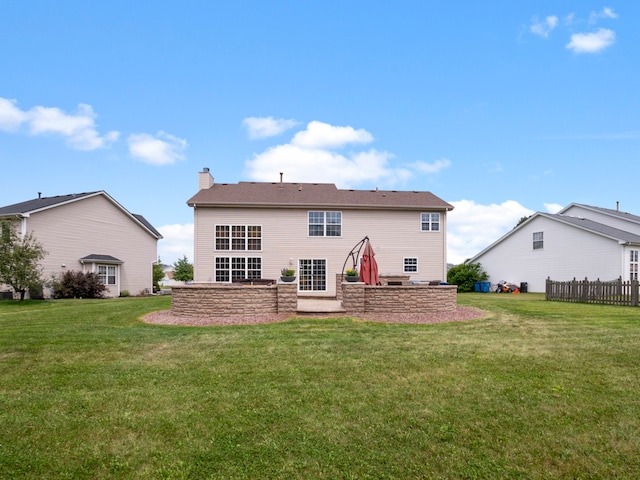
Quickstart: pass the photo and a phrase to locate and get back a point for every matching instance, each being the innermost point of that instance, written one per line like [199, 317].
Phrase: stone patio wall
[361, 298]
[206, 300]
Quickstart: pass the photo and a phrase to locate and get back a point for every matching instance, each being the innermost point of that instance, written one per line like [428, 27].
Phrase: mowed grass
[533, 390]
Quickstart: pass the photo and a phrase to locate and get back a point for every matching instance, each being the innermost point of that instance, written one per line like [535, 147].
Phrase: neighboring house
[90, 232]
[580, 241]
[168, 280]
[255, 229]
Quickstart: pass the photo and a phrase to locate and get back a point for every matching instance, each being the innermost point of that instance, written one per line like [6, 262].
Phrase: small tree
[19, 259]
[158, 274]
[465, 275]
[183, 270]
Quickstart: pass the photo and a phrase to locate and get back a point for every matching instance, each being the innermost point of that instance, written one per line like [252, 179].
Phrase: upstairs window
[430, 222]
[538, 240]
[238, 237]
[325, 224]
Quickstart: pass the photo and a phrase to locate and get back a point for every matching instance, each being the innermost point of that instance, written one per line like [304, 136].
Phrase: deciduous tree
[20, 258]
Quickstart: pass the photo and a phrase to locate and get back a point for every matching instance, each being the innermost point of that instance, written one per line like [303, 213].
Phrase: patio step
[319, 306]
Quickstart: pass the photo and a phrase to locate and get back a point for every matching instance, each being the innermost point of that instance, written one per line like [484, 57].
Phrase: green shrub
[76, 284]
[465, 275]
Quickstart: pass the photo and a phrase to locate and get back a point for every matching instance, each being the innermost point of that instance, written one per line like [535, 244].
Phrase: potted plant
[287, 275]
[352, 275]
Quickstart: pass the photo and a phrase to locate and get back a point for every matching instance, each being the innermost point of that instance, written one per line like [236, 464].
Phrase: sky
[501, 109]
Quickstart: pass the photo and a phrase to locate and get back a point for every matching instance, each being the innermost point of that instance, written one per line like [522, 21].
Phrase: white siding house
[255, 229]
[563, 247]
[91, 232]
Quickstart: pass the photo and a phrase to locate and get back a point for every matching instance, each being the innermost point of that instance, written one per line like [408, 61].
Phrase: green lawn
[534, 390]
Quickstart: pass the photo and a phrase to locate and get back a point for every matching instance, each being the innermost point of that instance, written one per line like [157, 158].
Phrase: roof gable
[25, 209]
[311, 195]
[606, 211]
[596, 228]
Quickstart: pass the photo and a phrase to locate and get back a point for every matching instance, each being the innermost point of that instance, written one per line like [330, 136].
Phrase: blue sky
[502, 109]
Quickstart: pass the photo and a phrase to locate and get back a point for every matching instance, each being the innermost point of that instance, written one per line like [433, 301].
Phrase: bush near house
[76, 284]
[465, 275]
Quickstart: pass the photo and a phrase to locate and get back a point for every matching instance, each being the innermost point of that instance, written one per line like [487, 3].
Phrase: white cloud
[471, 227]
[553, 207]
[434, 167]
[592, 42]
[161, 149]
[606, 12]
[177, 242]
[263, 127]
[545, 27]
[11, 117]
[311, 156]
[79, 129]
[323, 135]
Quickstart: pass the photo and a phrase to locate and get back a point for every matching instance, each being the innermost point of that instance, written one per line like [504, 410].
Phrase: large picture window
[325, 224]
[229, 269]
[313, 275]
[430, 222]
[238, 237]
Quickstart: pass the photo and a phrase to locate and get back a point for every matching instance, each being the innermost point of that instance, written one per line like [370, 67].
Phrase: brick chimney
[205, 180]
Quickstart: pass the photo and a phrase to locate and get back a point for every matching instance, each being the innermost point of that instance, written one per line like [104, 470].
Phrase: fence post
[634, 293]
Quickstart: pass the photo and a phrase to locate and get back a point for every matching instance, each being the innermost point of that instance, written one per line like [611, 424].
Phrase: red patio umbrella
[369, 266]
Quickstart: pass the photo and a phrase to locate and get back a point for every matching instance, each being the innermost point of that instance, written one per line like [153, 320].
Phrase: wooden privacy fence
[615, 292]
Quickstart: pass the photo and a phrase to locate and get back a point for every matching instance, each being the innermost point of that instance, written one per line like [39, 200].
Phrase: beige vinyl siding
[94, 225]
[394, 235]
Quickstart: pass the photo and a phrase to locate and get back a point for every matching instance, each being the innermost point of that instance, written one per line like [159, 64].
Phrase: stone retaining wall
[361, 298]
[207, 300]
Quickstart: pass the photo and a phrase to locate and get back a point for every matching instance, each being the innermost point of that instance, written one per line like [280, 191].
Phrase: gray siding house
[90, 232]
[580, 241]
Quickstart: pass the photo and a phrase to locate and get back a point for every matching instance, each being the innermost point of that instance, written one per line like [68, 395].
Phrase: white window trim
[326, 275]
[404, 264]
[230, 257]
[324, 224]
[534, 241]
[430, 230]
[230, 238]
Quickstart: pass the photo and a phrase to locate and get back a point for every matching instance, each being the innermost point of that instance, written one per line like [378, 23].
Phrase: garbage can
[476, 286]
[485, 286]
[524, 286]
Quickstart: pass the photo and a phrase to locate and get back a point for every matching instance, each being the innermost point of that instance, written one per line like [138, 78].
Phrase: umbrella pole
[354, 255]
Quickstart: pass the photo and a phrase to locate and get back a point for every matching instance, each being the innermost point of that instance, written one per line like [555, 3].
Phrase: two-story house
[251, 230]
[90, 232]
[580, 241]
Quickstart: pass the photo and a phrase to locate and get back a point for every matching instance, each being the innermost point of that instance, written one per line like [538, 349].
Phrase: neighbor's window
[107, 274]
[633, 265]
[410, 265]
[430, 222]
[229, 269]
[538, 240]
[325, 224]
[238, 237]
[312, 274]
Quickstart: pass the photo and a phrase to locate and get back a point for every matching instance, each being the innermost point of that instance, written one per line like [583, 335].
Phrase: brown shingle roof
[312, 195]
